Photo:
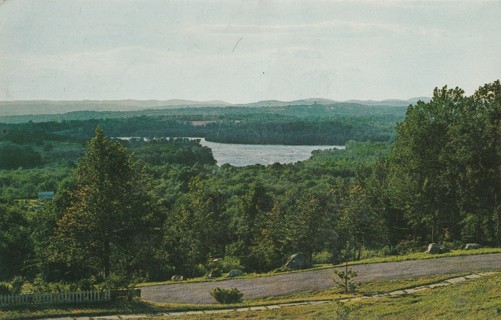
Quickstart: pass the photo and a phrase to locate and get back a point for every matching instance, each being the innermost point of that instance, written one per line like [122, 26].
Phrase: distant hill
[47, 107]
[391, 102]
[312, 101]
[12, 108]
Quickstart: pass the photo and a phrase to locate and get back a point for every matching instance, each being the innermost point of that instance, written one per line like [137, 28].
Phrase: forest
[144, 210]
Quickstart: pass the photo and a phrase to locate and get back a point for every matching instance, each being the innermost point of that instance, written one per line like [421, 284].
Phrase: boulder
[235, 273]
[297, 261]
[176, 278]
[470, 246]
[433, 248]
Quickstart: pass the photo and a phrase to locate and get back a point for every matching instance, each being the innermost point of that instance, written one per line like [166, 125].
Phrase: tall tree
[420, 181]
[111, 223]
[196, 230]
[477, 154]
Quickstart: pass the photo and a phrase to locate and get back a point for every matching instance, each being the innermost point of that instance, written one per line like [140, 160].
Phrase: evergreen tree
[111, 223]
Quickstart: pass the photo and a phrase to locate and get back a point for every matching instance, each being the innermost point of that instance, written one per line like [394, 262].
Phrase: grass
[475, 299]
[40, 312]
[395, 258]
[424, 255]
[365, 289]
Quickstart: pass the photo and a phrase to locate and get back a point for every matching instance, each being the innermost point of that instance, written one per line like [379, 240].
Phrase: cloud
[329, 28]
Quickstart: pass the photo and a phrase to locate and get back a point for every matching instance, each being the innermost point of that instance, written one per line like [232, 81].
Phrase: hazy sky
[243, 51]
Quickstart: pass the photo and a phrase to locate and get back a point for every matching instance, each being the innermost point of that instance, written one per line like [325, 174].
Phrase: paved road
[320, 279]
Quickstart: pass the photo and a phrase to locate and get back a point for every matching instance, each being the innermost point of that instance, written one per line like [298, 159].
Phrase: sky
[245, 51]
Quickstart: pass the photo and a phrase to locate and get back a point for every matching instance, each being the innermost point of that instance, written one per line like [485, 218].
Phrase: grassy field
[477, 299]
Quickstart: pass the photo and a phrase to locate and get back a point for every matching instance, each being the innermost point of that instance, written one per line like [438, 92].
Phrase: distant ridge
[38, 107]
[322, 101]
[31, 107]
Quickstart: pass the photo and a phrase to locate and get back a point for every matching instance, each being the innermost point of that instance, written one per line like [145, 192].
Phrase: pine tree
[110, 224]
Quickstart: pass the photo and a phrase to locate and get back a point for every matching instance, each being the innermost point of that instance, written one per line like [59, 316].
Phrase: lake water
[249, 154]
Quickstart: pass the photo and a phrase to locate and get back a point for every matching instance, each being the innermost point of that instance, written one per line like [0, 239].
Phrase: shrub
[5, 288]
[199, 270]
[86, 284]
[226, 296]
[214, 273]
[346, 284]
[116, 281]
[322, 257]
[230, 263]
[17, 284]
[408, 246]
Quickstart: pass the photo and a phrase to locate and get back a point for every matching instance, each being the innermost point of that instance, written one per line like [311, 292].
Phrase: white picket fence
[56, 298]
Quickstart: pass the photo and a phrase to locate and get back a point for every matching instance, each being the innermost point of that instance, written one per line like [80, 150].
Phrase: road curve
[281, 284]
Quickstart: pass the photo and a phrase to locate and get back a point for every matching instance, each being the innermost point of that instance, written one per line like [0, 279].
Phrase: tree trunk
[434, 227]
[106, 259]
[497, 210]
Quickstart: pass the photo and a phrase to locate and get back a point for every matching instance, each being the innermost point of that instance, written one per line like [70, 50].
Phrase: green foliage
[5, 288]
[14, 247]
[163, 151]
[229, 263]
[343, 311]
[227, 296]
[322, 257]
[13, 156]
[116, 281]
[444, 166]
[408, 246]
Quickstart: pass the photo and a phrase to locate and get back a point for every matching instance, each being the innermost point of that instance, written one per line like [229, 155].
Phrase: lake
[249, 154]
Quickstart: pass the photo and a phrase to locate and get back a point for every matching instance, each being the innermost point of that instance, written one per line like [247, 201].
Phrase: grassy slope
[478, 299]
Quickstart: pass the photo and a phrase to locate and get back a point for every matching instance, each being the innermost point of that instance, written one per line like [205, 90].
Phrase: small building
[45, 195]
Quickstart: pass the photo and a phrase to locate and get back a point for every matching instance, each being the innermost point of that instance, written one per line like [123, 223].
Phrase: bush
[381, 252]
[322, 257]
[39, 285]
[230, 263]
[408, 246]
[5, 288]
[214, 273]
[199, 270]
[86, 284]
[227, 296]
[116, 281]
[17, 284]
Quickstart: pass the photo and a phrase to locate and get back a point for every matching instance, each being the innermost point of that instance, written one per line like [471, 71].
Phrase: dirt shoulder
[281, 284]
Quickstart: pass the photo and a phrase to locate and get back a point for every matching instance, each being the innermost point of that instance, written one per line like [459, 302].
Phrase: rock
[297, 261]
[433, 248]
[176, 278]
[235, 273]
[470, 246]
